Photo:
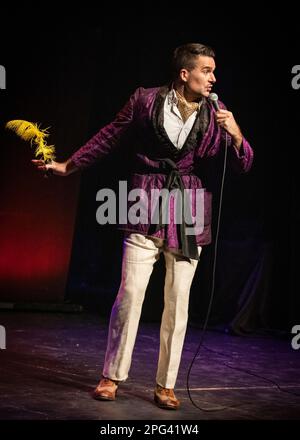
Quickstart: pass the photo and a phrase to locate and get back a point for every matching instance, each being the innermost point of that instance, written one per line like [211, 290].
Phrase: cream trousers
[139, 255]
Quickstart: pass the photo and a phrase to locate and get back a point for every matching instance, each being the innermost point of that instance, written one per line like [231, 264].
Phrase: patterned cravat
[185, 108]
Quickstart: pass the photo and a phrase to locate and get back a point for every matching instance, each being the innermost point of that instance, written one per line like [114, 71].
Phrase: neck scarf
[186, 108]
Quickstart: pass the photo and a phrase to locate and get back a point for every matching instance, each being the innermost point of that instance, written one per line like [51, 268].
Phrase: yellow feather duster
[32, 132]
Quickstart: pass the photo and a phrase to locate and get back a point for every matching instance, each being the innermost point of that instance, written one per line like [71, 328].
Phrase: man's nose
[212, 78]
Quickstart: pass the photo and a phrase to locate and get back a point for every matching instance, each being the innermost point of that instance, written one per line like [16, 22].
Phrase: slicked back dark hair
[185, 56]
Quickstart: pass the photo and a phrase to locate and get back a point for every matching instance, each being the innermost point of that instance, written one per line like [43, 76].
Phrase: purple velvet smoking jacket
[141, 121]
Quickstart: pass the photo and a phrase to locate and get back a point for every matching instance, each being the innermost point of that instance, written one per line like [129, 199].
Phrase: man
[172, 130]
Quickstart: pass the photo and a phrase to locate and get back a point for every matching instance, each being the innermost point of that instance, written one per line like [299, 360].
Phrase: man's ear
[184, 73]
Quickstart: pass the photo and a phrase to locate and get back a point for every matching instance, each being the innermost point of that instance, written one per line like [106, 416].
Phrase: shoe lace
[167, 391]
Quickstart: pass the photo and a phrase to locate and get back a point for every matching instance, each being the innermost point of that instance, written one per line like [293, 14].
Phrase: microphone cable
[204, 328]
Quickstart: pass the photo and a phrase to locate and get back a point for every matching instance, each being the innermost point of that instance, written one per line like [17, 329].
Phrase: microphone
[213, 97]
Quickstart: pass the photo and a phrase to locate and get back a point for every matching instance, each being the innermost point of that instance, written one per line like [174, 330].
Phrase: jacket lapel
[195, 136]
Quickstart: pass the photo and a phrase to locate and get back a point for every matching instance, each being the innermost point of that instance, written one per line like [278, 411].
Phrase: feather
[30, 131]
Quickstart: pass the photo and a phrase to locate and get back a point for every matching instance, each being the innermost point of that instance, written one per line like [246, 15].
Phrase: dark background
[73, 71]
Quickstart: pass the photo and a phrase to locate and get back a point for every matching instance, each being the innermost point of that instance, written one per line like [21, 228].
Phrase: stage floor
[52, 362]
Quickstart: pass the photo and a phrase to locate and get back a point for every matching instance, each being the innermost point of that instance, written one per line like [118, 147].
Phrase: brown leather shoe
[165, 398]
[106, 389]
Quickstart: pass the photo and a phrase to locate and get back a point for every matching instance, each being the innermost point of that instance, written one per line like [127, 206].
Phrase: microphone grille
[213, 97]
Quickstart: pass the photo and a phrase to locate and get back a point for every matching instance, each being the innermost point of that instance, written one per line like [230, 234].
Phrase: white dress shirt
[176, 129]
